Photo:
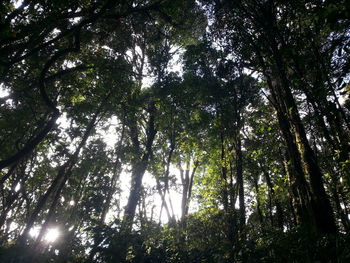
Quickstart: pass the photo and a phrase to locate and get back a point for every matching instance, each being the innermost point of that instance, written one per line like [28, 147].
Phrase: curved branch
[30, 146]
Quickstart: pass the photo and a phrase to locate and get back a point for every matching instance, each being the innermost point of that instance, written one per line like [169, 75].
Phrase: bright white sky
[3, 91]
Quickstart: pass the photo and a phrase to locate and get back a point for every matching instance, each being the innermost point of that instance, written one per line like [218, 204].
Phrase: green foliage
[261, 99]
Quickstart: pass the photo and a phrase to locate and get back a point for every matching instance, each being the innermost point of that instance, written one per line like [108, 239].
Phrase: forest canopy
[143, 131]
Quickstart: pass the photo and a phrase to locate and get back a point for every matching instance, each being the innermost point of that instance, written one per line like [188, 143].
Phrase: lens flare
[52, 235]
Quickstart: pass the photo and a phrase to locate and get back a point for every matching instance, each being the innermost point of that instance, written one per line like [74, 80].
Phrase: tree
[229, 117]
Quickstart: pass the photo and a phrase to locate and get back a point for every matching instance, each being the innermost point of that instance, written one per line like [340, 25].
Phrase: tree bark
[138, 170]
[273, 197]
[258, 205]
[225, 195]
[240, 182]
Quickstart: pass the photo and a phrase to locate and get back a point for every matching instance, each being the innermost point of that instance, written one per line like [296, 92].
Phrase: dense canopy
[174, 131]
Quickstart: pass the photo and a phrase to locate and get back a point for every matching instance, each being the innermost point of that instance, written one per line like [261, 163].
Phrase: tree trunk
[279, 212]
[138, 170]
[225, 196]
[240, 182]
[189, 192]
[303, 160]
[258, 205]
[162, 192]
[185, 181]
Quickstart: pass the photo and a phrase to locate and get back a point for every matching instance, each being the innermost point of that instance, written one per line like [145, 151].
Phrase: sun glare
[52, 235]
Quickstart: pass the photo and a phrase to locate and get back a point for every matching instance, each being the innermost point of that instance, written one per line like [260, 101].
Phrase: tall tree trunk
[279, 212]
[295, 203]
[341, 213]
[138, 170]
[162, 192]
[185, 181]
[225, 195]
[321, 208]
[317, 206]
[187, 177]
[303, 160]
[190, 185]
[241, 195]
[258, 205]
[162, 196]
[240, 182]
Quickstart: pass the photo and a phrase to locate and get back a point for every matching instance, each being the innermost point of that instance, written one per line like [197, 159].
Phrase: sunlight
[34, 231]
[175, 196]
[52, 235]
[3, 91]
[110, 135]
[17, 3]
